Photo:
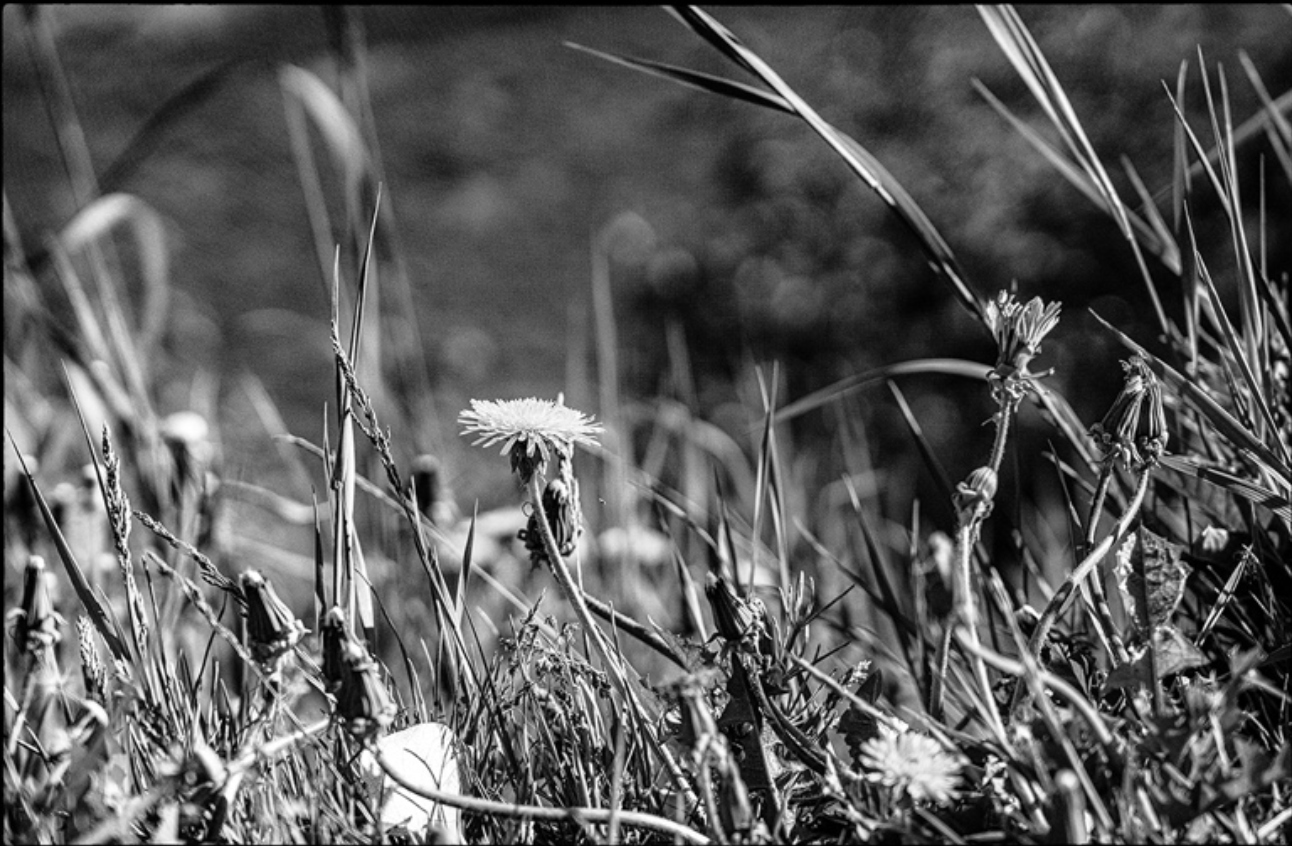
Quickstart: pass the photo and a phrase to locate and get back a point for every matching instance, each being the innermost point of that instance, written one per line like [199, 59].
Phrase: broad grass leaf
[425, 754]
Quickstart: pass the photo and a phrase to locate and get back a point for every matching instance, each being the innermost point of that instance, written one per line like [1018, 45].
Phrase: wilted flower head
[913, 764]
[529, 429]
[272, 629]
[1116, 433]
[1019, 330]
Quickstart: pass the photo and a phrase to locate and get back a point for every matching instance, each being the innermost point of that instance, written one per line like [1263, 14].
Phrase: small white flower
[529, 429]
[913, 765]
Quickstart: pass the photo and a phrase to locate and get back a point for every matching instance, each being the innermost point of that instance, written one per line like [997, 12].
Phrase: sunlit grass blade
[1014, 39]
[1252, 492]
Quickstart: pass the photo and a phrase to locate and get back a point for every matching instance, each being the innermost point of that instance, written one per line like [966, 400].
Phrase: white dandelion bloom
[913, 764]
[529, 429]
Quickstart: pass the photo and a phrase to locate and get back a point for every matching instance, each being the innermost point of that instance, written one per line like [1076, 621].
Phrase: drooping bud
[565, 517]
[1115, 434]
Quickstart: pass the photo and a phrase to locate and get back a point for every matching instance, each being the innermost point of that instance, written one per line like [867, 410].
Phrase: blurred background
[534, 191]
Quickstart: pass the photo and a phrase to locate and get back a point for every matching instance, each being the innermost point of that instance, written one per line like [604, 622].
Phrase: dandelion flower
[1018, 330]
[529, 429]
[913, 764]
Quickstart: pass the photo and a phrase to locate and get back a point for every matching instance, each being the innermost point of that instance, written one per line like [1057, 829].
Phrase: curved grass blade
[1247, 489]
[942, 366]
[858, 159]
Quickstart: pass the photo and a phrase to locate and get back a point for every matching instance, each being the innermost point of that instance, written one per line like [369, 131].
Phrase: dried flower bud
[1115, 434]
[561, 506]
[1152, 444]
[362, 699]
[272, 629]
[734, 617]
[974, 495]
[336, 634]
[35, 623]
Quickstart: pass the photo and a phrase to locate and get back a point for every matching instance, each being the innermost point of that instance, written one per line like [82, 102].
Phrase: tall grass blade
[98, 614]
[858, 159]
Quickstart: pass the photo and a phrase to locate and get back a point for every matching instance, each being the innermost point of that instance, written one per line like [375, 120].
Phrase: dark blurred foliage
[506, 153]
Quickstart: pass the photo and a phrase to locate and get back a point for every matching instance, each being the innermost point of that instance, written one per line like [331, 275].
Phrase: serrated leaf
[1172, 653]
[1151, 577]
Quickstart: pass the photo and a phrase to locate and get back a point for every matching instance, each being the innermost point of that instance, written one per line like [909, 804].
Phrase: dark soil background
[507, 153]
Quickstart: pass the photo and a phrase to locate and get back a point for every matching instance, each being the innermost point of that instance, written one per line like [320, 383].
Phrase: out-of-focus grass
[873, 669]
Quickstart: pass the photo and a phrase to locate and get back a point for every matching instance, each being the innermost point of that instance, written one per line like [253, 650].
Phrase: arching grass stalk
[536, 812]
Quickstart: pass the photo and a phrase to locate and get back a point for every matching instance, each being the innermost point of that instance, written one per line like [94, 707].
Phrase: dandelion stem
[566, 581]
[1063, 596]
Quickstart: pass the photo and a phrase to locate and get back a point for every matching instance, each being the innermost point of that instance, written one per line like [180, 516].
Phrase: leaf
[1172, 653]
[1151, 577]
[426, 755]
[856, 725]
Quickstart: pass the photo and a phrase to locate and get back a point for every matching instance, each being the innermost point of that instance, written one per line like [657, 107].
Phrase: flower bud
[734, 617]
[362, 699]
[272, 629]
[975, 494]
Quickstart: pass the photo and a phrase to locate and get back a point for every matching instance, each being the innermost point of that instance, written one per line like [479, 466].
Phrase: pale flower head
[913, 765]
[1019, 329]
[530, 430]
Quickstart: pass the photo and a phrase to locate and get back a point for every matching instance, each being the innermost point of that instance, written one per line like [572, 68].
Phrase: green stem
[1063, 596]
[565, 580]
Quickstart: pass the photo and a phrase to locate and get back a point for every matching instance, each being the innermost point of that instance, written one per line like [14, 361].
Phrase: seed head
[530, 430]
